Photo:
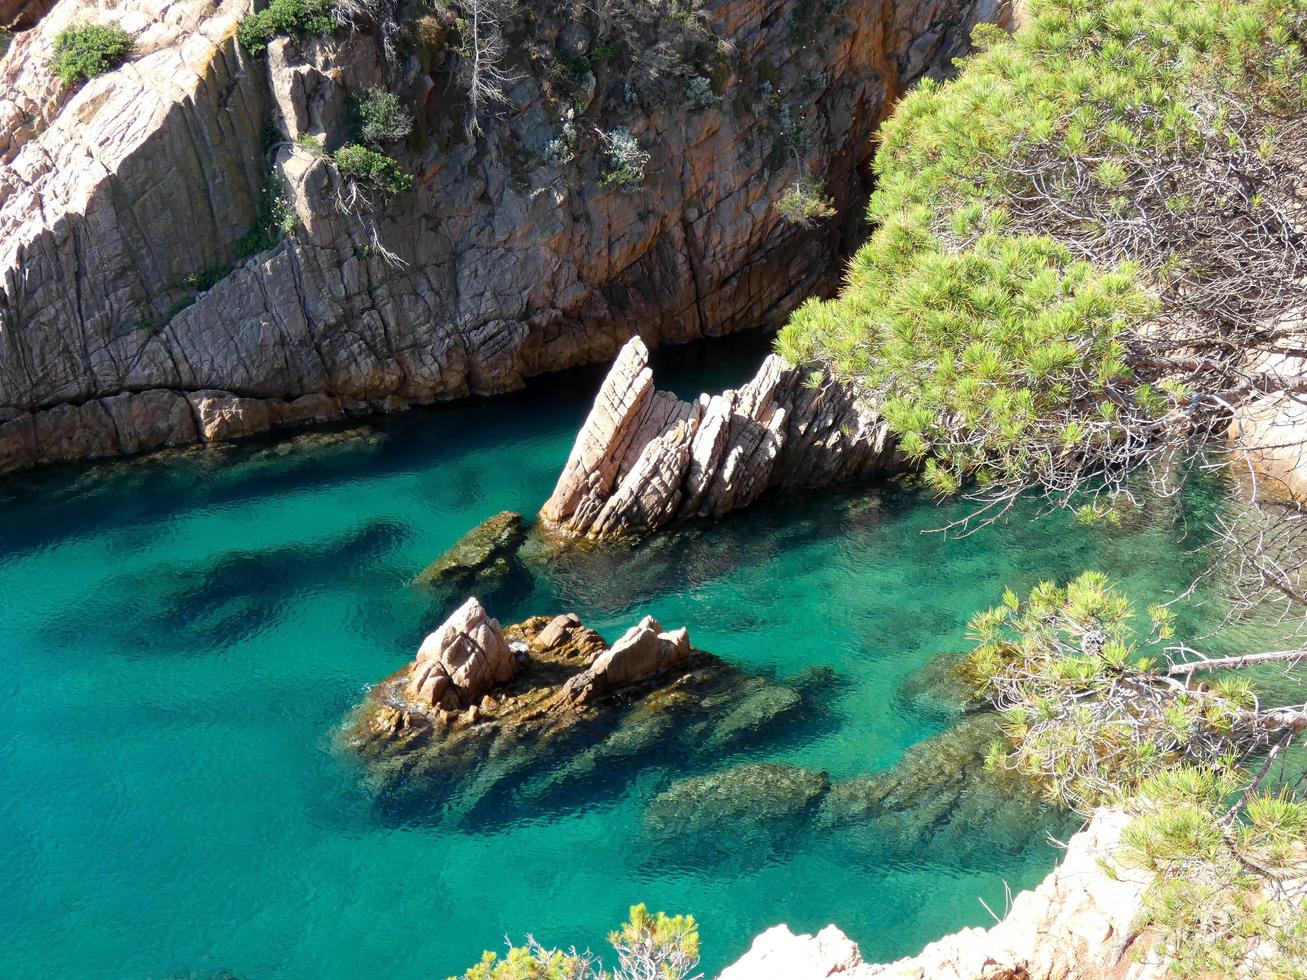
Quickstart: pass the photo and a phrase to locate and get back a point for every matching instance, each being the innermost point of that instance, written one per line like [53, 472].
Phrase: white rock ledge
[1076, 925]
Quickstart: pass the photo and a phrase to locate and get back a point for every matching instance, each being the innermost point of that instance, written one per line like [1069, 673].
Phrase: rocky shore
[645, 459]
[1076, 925]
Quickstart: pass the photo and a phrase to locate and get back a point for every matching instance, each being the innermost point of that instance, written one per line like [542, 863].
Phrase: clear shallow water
[181, 640]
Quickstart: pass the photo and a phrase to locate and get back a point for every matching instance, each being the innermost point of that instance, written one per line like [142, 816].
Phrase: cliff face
[1076, 924]
[129, 320]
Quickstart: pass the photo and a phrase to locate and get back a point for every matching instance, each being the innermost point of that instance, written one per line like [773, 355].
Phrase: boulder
[462, 661]
[643, 651]
[778, 952]
[489, 550]
[645, 459]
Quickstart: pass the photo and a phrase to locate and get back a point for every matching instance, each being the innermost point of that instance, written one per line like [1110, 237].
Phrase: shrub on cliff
[1096, 714]
[81, 53]
[648, 946]
[1076, 240]
[382, 117]
[627, 160]
[371, 170]
[804, 202]
[285, 18]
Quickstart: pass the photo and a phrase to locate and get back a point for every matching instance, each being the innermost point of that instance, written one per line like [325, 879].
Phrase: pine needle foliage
[1039, 215]
[1227, 895]
[1096, 713]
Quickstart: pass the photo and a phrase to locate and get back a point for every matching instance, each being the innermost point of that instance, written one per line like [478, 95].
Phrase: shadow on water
[242, 595]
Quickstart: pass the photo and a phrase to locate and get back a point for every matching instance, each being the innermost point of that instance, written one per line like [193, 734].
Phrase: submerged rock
[644, 458]
[487, 551]
[940, 688]
[940, 800]
[765, 796]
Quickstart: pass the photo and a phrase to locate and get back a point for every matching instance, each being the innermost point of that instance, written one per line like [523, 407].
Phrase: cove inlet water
[184, 636]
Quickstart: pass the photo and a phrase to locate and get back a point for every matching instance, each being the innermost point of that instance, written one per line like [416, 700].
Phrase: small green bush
[627, 160]
[371, 169]
[382, 116]
[82, 52]
[647, 945]
[804, 203]
[285, 18]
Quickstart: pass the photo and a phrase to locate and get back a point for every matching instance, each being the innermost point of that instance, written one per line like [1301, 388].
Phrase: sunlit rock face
[1076, 924]
[645, 459]
[127, 206]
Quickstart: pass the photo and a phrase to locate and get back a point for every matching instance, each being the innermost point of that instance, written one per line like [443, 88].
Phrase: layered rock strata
[132, 315]
[645, 459]
[1076, 924]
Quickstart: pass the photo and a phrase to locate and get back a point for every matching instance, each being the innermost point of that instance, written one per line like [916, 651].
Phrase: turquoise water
[182, 638]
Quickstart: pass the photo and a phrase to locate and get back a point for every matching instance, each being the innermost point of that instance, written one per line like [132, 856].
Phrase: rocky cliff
[133, 314]
[644, 458]
[1076, 925]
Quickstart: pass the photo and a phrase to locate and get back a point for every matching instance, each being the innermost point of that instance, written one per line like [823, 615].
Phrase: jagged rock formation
[462, 661]
[130, 318]
[644, 458]
[1076, 924]
[644, 650]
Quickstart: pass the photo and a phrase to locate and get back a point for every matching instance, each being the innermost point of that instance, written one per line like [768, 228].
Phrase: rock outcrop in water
[461, 662]
[1076, 925]
[644, 458]
[133, 316]
[545, 704]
